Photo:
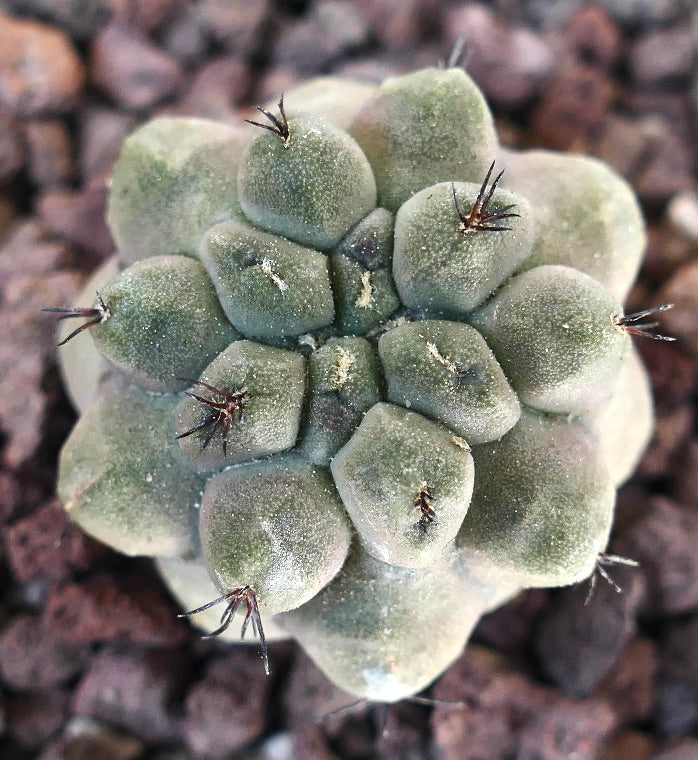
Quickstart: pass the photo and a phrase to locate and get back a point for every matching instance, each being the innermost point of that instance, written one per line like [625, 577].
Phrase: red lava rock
[677, 701]
[664, 543]
[10, 498]
[593, 37]
[311, 697]
[30, 278]
[510, 64]
[233, 685]
[629, 745]
[50, 153]
[238, 25]
[78, 216]
[102, 133]
[622, 143]
[508, 628]
[630, 686]
[682, 320]
[40, 71]
[133, 690]
[216, 88]
[671, 371]
[145, 15]
[11, 148]
[31, 657]
[666, 167]
[46, 544]
[311, 744]
[131, 69]
[577, 643]
[76, 17]
[88, 740]
[405, 732]
[330, 30]
[572, 105]
[33, 718]
[685, 482]
[672, 429]
[662, 55]
[184, 36]
[685, 749]
[505, 715]
[401, 23]
[113, 609]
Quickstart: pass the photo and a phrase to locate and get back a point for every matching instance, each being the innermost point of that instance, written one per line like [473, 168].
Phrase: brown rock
[50, 153]
[621, 142]
[401, 23]
[573, 104]
[79, 216]
[30, 278]
[11, 148]
[102, 133]
[630, 686]
[184, 36]
[671, 371]
[31, 657]
[216, 88]
[684, 749]
[593, 37]
[330, 30]
[238, 25]
[45, 544]
[629, 745]
[77, 18]
[40, 71]
[677, 698]
[685, 480]
[505, 715]
[131, 69]
[88, 740]
[34, 718]
[666, 167]
[311, 744]
[133, 690]
[664, 543]
[234, 684]
[510, 64]
[310, 696]
[672, 429]
[682, 320]
[114, 609]
[144, 15]
[581, 635]
[662, 55]
[508, 628]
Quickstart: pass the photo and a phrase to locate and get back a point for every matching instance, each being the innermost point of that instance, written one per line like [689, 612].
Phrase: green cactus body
[350, 377]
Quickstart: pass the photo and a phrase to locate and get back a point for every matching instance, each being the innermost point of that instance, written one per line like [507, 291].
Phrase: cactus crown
[342, 377]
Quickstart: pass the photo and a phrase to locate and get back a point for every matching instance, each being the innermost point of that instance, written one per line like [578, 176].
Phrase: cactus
[358, 373]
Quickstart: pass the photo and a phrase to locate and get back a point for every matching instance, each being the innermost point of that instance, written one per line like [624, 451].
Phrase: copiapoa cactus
[357, 373]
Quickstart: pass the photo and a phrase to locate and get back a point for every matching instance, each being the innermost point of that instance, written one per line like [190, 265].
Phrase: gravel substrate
[94, 663]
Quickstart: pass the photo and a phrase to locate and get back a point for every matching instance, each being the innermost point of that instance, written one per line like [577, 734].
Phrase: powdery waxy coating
[423, 128]
[174, 179]
[552, 329]
[272, 382]
[312, 188]
[268, 286]
[396, 461]
[123, 478]
[542, 504]
[276, 525]
[164, 322]
[442, 270]
[364, 448]
[446, 371]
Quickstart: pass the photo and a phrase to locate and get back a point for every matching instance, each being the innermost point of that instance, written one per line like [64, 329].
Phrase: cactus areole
[357, 374]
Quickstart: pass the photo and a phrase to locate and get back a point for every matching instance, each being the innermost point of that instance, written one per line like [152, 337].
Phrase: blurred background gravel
[94, 663]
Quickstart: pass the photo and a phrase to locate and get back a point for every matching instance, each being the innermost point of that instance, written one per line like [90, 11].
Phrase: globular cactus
[358, 370]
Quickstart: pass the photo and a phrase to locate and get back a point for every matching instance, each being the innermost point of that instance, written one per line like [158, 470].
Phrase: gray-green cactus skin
[345, 369]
